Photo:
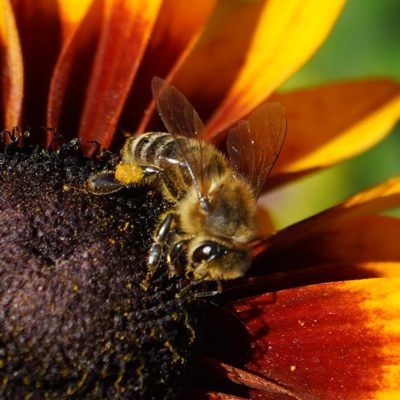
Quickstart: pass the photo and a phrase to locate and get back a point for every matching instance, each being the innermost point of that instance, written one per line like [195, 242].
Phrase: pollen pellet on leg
[128, 173]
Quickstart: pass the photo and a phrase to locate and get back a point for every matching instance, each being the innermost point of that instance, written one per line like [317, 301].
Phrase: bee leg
[177, 257]
[210, 293]
[156, 249]
[151, 171]
[203, 292]
[131, 173]
[105, 182]
[154, 258]
[101, 183]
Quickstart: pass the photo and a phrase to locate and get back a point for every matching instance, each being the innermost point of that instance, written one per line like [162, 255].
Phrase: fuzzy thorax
[231, 215]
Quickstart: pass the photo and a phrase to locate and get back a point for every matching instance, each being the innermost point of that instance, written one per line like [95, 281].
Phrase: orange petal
[126, 30]
[331, 341]
[242, 377]
[73, 68]
[206, 395]
[39, 27]
[360, 239]
[382, 269]
[176, 31]
[210, 69]
[11, 66]
[264, 222]
[372, 201]
[284, 37]
[71, 14]
[221, 396]
[263, 276]
[330, 123]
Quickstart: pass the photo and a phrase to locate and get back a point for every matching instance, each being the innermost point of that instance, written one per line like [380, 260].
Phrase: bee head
[212, 260]
[220, 231]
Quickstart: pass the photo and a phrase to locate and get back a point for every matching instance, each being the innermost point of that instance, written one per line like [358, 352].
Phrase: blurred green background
[365, 42]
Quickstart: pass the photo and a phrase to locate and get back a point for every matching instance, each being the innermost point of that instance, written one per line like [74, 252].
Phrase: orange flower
[84, 67]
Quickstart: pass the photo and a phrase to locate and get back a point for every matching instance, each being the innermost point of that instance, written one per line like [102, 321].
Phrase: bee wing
[183, 123]
[254, 144]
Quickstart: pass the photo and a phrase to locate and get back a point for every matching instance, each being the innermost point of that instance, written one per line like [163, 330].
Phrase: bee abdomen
[146, 149]
[160, 150]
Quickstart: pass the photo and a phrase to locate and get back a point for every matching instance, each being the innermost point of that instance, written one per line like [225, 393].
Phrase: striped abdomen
[162, 150]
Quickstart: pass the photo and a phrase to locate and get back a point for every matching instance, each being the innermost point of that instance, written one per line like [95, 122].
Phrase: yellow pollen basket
[128, 173]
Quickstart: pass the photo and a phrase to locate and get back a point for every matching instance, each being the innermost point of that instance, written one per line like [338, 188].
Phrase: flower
[84, 67]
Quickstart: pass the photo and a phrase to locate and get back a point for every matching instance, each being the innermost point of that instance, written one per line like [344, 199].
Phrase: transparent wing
[254, 144]
[183, 122]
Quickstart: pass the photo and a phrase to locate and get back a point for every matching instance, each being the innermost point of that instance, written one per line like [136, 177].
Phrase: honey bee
[207, 233]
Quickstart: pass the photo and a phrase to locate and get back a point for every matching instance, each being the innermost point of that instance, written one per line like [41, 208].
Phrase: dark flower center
[74, 320]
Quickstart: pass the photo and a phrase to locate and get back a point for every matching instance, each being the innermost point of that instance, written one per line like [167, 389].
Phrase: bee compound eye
[206, 252]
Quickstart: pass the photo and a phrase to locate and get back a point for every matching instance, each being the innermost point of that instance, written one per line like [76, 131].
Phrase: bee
[208, 231]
